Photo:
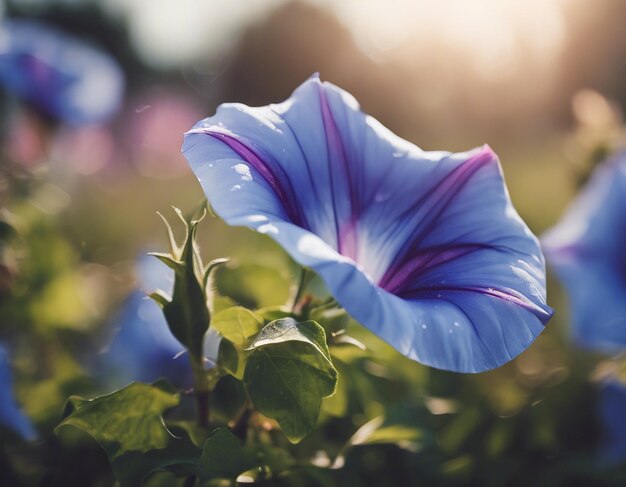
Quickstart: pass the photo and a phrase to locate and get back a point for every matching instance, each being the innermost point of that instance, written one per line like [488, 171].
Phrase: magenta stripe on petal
[509, 295]
[425, 260]
[257, 163]
[338, 160]
[431, 206]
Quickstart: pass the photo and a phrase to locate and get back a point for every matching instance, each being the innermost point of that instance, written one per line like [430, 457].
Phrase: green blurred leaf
[288, 372]
[381, 431]
[237, 324]
[126, 420]
[334, 320]
[220, 303]
[459, 430]
[337, 404]
[7, 231]
[273, 313]
[252, 286]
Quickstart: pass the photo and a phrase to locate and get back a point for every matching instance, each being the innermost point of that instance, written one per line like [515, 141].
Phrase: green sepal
[186, 311]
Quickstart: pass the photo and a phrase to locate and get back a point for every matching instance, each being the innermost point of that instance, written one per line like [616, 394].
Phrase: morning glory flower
[61, 75]
[423, 248]
[143, 348]
[11, 417]
[586, 250]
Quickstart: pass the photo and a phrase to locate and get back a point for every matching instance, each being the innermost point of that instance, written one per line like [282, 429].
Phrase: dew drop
[243, 171]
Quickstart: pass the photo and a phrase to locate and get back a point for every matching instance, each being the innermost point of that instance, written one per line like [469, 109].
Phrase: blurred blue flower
[586, 250]
[612, 411]
[423, 248]
[60, 74]
[143, 348]
[11, 416]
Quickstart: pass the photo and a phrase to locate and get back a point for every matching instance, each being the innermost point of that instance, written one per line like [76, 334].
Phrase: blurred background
[541, 81]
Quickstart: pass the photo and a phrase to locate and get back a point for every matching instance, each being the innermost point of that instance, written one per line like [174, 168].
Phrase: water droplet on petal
[267, 228]
[244, 171]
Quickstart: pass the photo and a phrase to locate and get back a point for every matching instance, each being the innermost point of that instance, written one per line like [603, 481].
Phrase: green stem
[304, 280]
[201, 388]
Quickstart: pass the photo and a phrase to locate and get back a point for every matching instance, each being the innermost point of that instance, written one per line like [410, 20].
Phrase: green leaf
[129, 427]
[288, 372]
[180, 454]
[224, 457]
[237, 324]
[221, 457]
[231, 359]
[126, 420]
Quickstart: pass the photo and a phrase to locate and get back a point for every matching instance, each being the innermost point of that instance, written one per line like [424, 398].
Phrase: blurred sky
[459, 64]
[446, 74]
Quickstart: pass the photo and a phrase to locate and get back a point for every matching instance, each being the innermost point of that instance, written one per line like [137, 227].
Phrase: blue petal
[586, 249]
[10, 414]
[423, 248]
[60, 74]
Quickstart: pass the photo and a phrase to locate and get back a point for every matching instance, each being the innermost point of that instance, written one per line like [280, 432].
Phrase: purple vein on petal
[432, 205]
[544, 313]
[250, 156]
[424, 260]
[346, 230]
